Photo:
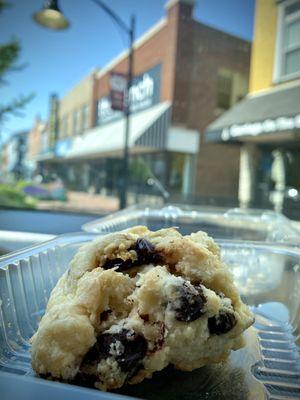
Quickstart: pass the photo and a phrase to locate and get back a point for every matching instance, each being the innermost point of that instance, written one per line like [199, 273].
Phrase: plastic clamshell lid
[238, 224]
[267, 275]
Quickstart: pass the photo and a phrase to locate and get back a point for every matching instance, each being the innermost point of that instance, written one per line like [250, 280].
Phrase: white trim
[278, 49]
[146, 36]
[288, 77]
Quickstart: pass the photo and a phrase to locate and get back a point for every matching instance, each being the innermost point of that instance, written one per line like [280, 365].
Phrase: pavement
[84, 202]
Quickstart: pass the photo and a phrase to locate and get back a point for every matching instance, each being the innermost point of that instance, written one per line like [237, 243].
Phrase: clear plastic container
[267, 275]
[238, 224]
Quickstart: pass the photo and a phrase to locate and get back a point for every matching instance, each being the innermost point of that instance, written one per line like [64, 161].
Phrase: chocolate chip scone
[135, 301]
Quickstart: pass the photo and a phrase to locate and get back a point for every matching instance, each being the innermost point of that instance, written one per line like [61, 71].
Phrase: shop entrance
[278, 179]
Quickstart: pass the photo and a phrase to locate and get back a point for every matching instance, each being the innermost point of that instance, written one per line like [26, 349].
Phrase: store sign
[263, 127]
[144, 93]
[118, 85]
[62, 147]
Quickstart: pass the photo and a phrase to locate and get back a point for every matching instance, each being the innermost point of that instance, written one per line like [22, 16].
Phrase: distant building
[185, 74]
[265, 126]
[74, 113]
[37, 146]
[14, 152]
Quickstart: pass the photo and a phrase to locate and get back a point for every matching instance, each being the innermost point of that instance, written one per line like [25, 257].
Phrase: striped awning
[148, 130]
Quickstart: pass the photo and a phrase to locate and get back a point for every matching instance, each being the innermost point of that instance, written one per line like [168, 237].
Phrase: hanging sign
[118, 85]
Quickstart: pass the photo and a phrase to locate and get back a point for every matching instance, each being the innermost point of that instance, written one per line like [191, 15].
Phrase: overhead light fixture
[51, 16]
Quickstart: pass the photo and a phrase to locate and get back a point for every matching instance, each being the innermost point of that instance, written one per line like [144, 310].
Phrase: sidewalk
[82, 202]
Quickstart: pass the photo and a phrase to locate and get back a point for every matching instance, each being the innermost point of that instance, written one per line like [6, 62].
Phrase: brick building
[185, 75]
[38, 148]
[74, 111]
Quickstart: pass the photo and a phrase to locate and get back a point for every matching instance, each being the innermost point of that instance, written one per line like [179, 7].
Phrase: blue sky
[58, 60]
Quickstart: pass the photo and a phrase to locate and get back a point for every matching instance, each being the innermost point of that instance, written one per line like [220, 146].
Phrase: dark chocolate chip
[221, 323]
[104, 315]
[133, 349]
[190, 305]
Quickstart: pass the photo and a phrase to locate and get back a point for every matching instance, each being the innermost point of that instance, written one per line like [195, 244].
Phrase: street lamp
[52, 17]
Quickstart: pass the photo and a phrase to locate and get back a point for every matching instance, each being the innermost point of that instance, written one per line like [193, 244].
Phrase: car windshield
[107, 104]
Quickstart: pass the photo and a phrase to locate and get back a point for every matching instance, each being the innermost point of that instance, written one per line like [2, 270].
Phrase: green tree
[9, 54]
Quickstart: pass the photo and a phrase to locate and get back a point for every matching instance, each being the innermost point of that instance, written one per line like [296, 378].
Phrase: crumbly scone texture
[133, 302]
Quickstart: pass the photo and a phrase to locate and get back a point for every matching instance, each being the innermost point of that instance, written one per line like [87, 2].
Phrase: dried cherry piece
[221, 323]
[145, 252]
[122, 265]
[144, 317]
[190, 305]
[84, 379]
[132, 350]
[105, 315]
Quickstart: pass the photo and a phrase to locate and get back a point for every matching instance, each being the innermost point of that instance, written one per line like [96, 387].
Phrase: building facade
[265, 126]
[185, 75]
[37, 146]
[13, 163]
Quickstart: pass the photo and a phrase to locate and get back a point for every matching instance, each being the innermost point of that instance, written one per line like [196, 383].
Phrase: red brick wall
[158, 49]
[201, 52]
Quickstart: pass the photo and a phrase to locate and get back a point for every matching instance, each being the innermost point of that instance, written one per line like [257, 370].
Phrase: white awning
[183, 140]
[148, 129]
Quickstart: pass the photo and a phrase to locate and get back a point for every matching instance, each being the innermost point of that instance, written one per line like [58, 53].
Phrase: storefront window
[63, 131]
[176, 175]
[76, 122]
[84, 118]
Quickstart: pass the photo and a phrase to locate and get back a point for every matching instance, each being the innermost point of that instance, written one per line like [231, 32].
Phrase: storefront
[157, 149]
[267, 128]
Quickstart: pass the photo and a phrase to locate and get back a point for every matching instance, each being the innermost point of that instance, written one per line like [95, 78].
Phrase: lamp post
[52, 17]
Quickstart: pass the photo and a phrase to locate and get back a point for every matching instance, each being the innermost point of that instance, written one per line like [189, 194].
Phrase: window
[74, 122]
[287, 64]
[224, 89]
[84, 118]
[232, 86]
[64, 127]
